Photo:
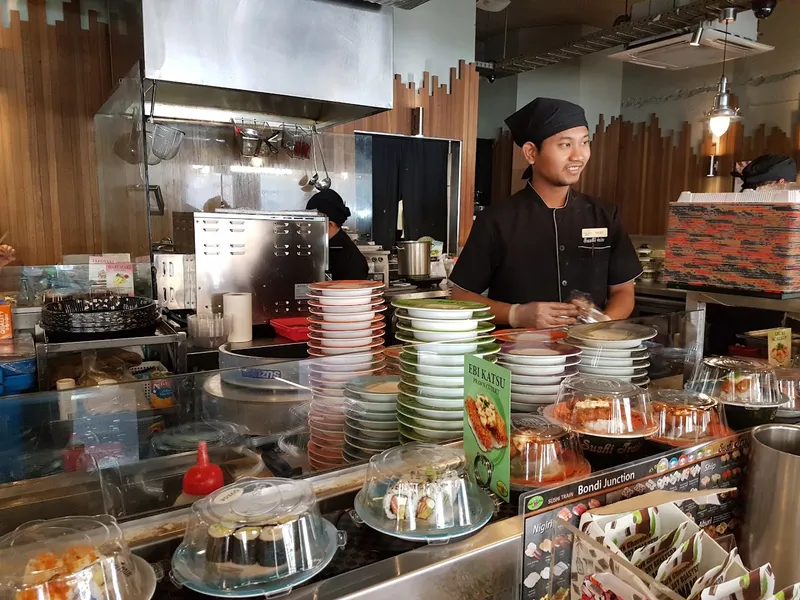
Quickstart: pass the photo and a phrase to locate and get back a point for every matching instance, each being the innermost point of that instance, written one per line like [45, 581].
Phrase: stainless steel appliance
[272, 255]
[176, 288]
[770, 535]
[377, 261]
[414, 259]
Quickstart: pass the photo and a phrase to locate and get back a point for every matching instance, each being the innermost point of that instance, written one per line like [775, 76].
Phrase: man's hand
[7, 255]
[544, 315]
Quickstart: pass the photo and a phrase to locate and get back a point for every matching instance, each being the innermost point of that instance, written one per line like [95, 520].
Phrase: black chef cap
[768, 168]
[329, 203]
[543, 118]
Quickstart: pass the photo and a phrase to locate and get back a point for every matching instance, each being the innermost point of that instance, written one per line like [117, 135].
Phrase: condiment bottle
[201, 479]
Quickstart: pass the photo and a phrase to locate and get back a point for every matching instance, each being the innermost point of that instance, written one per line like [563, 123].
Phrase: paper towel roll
[240, 308]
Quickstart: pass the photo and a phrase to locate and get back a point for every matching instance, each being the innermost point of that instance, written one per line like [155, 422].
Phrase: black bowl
[743, 417]
[604, 452]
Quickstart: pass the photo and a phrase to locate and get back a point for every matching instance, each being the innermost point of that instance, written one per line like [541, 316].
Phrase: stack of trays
[537, 371]
[614, 350]
[370, 417]
[345, 342]
[438, 334]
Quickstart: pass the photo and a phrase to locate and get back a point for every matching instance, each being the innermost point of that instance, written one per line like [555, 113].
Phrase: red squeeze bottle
[203, 477]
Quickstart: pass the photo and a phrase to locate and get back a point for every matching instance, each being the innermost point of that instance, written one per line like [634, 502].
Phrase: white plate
[446, 325]
[521, 407]
[432, 391]
[640, 374]
[446, 336]
[617, 335]
[359, 317]
[544, 379]
[418, 420]
[325, 385]
[612, 371]
[434, 370]
[365, 363]
[538, 354]
[362, 433]
[637, 352]
[536, 390]
[534, 398]
[375, 420]
[445, 381]
[433, 402]
[374, 389]
[372, 431]
[344, 300]
[320, 358]
[328, 351]
[344, 288]
[536, 370]
[321, 334]
[342, 310]
[604, 361]
[434, 434]
[325, 375]
[355, 324]
[442, 414]
[347, 342]
[421, 353]
[448, 348]
[359, 407]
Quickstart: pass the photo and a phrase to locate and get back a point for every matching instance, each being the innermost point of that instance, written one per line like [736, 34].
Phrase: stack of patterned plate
[438, 335]
[614, 350]
[370, 416]
[537, 371]
[345, 342]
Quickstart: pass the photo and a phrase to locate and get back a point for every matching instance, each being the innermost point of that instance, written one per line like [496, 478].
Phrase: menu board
[546, 559]
[487, 424]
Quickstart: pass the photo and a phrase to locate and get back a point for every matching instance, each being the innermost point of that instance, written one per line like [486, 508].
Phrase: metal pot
[414, 259]
[772, 517]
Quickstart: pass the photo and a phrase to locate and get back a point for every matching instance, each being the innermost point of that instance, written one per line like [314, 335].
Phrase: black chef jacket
[523, 251]
[345, 259]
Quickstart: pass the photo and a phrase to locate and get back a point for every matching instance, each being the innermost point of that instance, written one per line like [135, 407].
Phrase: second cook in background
[530, 251]
[345, 260]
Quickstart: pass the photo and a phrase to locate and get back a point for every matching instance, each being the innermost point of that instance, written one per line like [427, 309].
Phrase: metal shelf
[683, 17]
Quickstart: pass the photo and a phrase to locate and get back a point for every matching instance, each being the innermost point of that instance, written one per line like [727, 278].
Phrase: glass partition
[123, 448]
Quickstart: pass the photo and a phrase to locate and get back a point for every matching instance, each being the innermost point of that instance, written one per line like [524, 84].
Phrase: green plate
[408, 338]
[417, 436]
[484, 349]
[483, 328]
[438, 304]
[416, 420]
[447, 414]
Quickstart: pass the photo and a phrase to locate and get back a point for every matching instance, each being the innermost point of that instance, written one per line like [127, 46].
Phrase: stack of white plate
[345, 342]
[438, 335]
[614, 350]
[370, 416]
[537, 370]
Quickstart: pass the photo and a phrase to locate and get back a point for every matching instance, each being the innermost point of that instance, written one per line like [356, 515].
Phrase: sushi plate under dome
[422, 493]
[255, 537]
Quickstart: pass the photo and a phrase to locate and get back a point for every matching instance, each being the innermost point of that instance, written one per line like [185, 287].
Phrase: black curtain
[423, 189]
[414, 170]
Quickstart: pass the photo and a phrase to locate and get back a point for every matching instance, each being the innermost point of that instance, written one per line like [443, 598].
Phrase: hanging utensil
[325, 183]
[166, 140]
[315, 177]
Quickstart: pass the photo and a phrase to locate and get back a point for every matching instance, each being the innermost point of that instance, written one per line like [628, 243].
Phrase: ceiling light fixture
[697, 36]
[722, 113]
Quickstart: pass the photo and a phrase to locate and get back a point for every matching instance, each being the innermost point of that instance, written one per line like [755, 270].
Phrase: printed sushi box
[651, 533]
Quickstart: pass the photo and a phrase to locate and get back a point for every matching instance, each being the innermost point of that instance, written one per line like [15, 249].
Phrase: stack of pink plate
[346, 331]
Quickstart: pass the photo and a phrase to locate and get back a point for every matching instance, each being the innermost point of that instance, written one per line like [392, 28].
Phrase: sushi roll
[244, 544]
[272, 548]
[398, 503]
[218, 545]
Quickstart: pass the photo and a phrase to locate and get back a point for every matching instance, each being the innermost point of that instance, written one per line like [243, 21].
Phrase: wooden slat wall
[52, 81]
[449, 114]
[641, 169]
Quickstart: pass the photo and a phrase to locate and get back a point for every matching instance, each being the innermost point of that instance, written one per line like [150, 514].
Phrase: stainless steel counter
[658, 289]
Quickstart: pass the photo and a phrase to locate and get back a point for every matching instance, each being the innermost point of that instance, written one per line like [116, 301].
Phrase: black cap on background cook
[768, 168]
[329, 203]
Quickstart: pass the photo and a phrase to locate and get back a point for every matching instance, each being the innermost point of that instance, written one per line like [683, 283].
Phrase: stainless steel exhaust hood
[327, 61]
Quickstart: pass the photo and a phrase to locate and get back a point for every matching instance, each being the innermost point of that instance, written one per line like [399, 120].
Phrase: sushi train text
[491, 381]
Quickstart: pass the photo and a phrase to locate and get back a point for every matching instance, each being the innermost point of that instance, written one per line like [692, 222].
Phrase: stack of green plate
[370, 417]
[438, 335]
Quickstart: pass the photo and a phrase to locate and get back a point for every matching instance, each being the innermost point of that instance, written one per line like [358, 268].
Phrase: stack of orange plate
[346, 331]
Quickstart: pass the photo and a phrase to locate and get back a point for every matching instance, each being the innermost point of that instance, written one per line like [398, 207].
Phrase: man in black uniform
[344, 258]
[532, 250]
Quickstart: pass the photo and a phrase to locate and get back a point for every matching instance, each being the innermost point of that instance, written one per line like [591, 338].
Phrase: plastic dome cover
[687, 418]
[738, 381]
[70, 557]
[422, 492]
[603, 407]
[543, 453]
[258, 535]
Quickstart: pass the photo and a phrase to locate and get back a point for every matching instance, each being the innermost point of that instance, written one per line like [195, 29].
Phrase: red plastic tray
[293, 328]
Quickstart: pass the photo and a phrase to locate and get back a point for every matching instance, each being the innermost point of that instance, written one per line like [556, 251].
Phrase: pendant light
[722, 113]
